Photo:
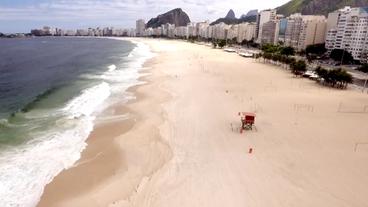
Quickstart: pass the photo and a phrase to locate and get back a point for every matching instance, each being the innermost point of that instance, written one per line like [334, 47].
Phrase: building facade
[246, 31]
[304, 30]
[140, 27]
[263, 17]
[348, 30]
[270, 31]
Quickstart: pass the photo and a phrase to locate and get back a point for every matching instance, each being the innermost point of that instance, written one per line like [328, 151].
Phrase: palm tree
[335, 78]
[299, 67]
[291, 61]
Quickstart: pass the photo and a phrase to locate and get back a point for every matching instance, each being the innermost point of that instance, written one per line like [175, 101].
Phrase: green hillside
[317, 6]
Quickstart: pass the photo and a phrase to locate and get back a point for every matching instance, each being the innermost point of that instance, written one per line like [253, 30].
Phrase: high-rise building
[282, 29]
[220, 31]
[348, 30]
[181, 31]
[140, 27]
[292, 31]
[304, 30]
[312, 32]
[270, 32]
[263, 17]
[232, 32]
[202, 28]
[192, 30]
[246, 31]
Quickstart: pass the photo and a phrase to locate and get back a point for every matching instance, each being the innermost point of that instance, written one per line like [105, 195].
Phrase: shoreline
[101, 140]
[183, 150]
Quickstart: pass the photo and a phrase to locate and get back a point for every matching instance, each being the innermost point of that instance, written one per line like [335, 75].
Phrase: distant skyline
[23, 15]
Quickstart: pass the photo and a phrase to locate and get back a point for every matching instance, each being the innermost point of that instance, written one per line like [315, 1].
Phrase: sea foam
[27, 169]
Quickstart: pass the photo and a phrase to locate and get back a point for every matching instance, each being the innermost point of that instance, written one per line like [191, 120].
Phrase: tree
[221, 43]
[214, 44]
[291, 61]
[318, 49]
[321, 72]
[301, 53]
[270, 48]
[267, 56]
[234, 40]
[287, 51]
[345, 78]
[244, 43]
[363, 68]
[311, 57]
[341, 55]
[335, 78]
[253, 44]
[257, 56]
[299, 67]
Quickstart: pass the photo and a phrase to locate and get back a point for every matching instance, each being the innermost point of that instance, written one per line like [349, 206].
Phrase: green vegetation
[231, 42]
[218, 43]
[221, 43]
[342, 55]
[192, 39]
[313, 52]
[277, 54]
[270, 48]
[299, 67]
[249, 43]
[294, 6]
[278, 58]
[287, 51]
[316, 7]
[318, 49]
[278, 49]
[338, 78]
[214, 43]
[363, 68]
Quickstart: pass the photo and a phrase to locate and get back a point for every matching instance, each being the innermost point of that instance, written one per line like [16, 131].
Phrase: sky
[24, 15]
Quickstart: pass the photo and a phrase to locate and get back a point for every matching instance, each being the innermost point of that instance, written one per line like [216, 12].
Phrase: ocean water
[51, 90]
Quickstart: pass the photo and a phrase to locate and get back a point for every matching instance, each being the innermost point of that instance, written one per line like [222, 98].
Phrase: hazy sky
[22, 15]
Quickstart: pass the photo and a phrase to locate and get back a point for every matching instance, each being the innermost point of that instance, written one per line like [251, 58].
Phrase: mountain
[322, 7]
[230, 15]
[175, 16]
[250, 13]
[230, 18]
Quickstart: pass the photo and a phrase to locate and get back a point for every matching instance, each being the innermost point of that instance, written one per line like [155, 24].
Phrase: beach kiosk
[247, 120]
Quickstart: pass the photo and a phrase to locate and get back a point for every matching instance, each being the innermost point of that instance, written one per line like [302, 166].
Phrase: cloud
[123, 12]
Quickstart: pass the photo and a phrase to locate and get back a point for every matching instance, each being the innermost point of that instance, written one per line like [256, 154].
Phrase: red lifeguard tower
[247, 120]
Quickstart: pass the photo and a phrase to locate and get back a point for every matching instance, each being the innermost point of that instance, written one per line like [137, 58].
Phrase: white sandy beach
[181, 147]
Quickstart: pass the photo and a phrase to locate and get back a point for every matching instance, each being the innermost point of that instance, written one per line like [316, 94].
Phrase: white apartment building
[167, 30]
[202, 29]
[270, 32]
[263, 17]
[209, 32]
[220, 31]
[171, 30]
[232, 32]
[82, 32]
[192, 29]
[147, 32]
[140, 27]
[304, 30]
[246, 31]
[70, 33]
[181, 31]
[348, 30]
[157, 31]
